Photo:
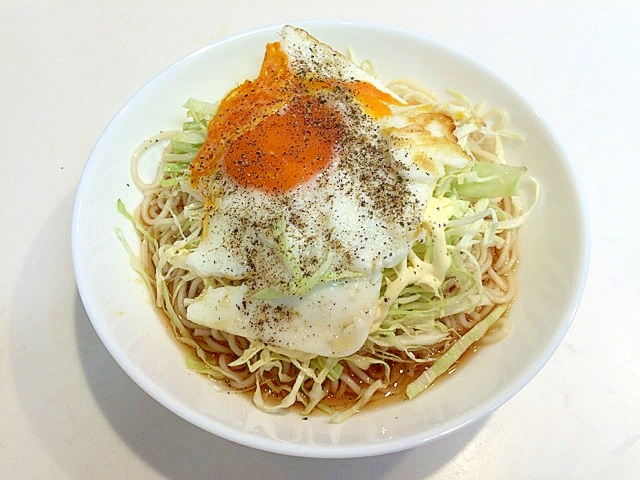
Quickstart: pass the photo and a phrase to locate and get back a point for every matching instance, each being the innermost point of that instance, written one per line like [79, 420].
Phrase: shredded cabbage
[440, 276]
[446, 361]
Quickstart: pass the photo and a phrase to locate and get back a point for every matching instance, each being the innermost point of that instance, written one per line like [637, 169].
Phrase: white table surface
[68, 411]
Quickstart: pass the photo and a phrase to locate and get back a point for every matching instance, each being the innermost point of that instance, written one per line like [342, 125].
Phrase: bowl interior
[551, 274]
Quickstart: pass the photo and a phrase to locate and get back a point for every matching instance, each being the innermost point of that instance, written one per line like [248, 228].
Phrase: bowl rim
[341, 451]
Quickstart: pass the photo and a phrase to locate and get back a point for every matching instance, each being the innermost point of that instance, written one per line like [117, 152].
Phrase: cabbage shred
[440, 278]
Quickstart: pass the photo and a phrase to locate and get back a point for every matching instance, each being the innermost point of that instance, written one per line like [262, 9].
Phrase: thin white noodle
[361, 374]
[500, 282]
[137, 155]
[350, 383]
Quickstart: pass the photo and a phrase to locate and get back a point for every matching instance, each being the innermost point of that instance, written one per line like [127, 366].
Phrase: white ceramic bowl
[551, 275]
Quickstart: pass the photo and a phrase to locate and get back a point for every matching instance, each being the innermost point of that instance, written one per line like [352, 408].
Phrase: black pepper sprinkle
[366, 173]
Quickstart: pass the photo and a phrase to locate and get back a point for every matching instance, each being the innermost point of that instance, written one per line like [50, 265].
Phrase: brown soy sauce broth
[403, 373]
[387, 398]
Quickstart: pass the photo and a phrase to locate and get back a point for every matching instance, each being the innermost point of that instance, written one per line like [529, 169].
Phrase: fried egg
[315, 178]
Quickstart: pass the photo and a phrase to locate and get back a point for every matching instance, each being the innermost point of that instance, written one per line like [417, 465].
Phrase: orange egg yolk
[273, 133]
